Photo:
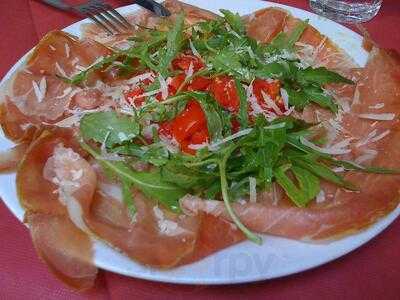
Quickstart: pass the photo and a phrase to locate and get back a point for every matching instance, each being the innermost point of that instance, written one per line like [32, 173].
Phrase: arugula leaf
[297, 98]
[109, 127]
[234, 20]
[308, 184]
[150, 184]
[174, 44]
[243, 109]
[317, 95]
[296, 33]
[127, 197]
[322, 171]
[284, 42]
[225, 196]
[227, 61]
[272, 70]
[187, 178]
[321, 76]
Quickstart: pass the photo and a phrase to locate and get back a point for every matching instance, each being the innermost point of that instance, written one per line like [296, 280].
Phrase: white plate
[244, 262]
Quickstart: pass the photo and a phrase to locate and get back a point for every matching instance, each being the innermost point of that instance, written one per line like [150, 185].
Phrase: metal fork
[105, 16]
[100, 12]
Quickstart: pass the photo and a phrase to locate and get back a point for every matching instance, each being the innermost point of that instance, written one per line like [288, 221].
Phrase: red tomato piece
[235, 125]
[199, 83]
[224, 90]
[176, 82]
[272, 89]
[133, 97]
[184, 145]
[173, 86]
[165, 129]
[199, 137]
[183, 61]
[189, 121]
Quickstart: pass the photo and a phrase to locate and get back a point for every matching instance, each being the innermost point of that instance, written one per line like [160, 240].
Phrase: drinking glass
[347, 11]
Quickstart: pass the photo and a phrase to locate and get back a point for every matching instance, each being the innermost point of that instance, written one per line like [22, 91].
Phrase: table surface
[371, 272]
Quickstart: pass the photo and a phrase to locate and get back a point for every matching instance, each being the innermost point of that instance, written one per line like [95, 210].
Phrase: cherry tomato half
[199, 83]
[272, 89]
[189, 121]
[183, 61]
[224, 90]
[133, 96]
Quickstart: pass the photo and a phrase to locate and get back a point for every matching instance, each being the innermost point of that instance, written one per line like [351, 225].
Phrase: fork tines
[105, 16]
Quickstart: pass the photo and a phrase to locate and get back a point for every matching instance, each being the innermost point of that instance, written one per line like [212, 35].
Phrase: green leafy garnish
[150, 184]
[109, 127]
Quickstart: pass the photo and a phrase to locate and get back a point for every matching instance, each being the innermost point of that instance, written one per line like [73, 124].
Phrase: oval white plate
[244, 262]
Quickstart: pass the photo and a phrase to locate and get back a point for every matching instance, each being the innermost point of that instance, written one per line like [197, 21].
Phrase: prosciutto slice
[64, 246]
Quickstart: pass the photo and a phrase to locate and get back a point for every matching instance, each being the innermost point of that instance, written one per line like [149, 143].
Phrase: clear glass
[347, 11]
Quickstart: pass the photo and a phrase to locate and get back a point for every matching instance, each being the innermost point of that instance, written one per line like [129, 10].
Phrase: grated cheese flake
[67, 50]
[379, 117]
[253, 189]
[330, 150]
[60, 70]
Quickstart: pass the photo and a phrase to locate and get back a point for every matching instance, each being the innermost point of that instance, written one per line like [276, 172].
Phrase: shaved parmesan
[67, 50]
[377, 106]
[165, 226]
[189, 72]
[379, 117]
[271, 103]
[40, 89]
[163, 87]
[75, 61]
[320, 197]
[60, 70]
[52, 48]
[215, 146]
[135, 80]
[380, 136]
[197, 146]
[367, 139]
[65, 93]
[330, 150]
[285, 98]
[194, 50]
[369, 155]
[253, 189]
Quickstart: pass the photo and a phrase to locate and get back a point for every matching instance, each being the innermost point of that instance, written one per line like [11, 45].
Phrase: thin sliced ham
[59, 241]
[9, 159]
[263, 25]
[154, 237]
[65, 249]
[51, 56]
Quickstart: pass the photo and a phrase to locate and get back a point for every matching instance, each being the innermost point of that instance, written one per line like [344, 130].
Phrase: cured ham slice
[315, 48]
[60, 53]
[66, 249]
[265, 24]
[155, 237]
[41, 98]
[36, 93]
[343, 212]
[10, 159]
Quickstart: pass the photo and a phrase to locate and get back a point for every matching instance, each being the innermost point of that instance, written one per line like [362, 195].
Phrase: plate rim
[368, 234]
